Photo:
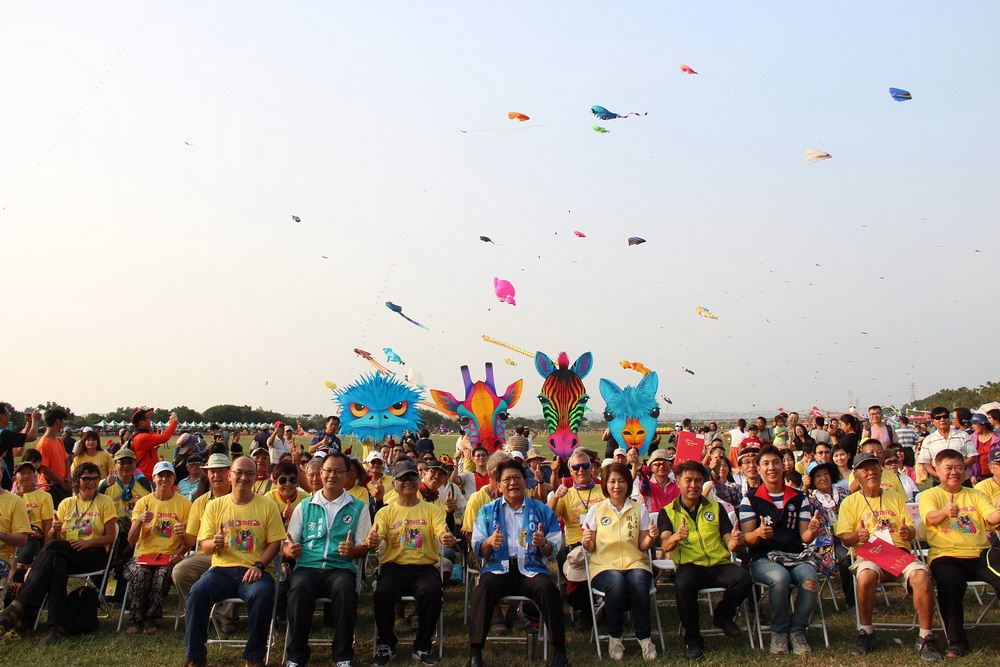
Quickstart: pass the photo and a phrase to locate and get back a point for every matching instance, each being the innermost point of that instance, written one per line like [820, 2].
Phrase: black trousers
[50, 572]
[423, 582]
[306, 585]
[540, 588]
[951, 576]
[690, 578]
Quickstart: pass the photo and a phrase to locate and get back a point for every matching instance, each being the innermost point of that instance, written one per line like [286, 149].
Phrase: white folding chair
[882, 586]
[597, 598]
[924, 555]
[409, 598]
[86, 578]
[222, 641]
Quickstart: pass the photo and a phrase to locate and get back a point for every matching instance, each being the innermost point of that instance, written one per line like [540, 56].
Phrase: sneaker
[927, 649]
[864, 643]
[616, 649]
[779, 643]
[728, 627]
[955, 650]
[426, 657]
[384, 655]
[648, 649]
[694, 651]
[342, 663]
[799, 644]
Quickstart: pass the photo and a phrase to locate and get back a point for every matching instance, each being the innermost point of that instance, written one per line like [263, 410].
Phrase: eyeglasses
[335, 471]
[511, 480]
[938, 417]
[244, 473]
[89, 479]
[580, 466]
[287, 480]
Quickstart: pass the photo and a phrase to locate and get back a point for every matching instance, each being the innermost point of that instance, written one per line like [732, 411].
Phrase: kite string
[378, 299]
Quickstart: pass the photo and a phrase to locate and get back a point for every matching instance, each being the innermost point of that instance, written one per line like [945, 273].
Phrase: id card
[72, 534]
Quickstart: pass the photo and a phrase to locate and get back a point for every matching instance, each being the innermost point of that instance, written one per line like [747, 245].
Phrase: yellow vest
[704, 545]
[617, 540]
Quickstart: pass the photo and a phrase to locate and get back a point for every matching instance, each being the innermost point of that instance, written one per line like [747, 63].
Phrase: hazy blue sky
[139, 269]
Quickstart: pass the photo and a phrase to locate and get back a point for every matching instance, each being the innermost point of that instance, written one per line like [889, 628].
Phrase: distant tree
[186, 414]
[961, 397]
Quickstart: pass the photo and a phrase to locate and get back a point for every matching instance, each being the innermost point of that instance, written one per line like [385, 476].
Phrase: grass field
[167, 647]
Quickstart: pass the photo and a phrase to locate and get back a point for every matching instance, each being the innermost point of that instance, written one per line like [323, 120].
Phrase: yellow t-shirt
[990, 487]
[887, 512]
[159, 537]
[101, 459]
[13, 519]
[193, 525]
[410, 533]
[361, 493]
[125, 507]
[477, 501]
[572, 507]
[38, 504]
[262, 487]
[890, 480]
[966, 535]
[85, 519]
[248, 529]
[276, 497]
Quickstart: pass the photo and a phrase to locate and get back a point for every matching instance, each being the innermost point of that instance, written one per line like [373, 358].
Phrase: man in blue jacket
[513, 535]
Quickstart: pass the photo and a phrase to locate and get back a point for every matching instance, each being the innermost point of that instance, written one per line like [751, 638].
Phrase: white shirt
[936, 443]
[590, 521]
[330, 507]
[278, 448]
[736, 437]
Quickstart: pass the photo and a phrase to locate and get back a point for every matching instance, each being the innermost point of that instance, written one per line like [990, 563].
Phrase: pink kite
[687, 69]
[579, 234]
[504, 291]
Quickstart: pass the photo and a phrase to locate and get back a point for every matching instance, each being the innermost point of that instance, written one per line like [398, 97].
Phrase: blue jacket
[535, 513]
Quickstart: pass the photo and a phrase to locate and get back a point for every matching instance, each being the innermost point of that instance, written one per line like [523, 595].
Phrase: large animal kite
[399, 311]
[604, 114]
[631, 412]
[483, 413]
[563, 398]
[375, 406]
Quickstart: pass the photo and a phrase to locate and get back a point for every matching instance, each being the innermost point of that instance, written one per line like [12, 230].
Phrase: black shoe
[384, 654]
[728, 627]
[694, 651]
[476, 659]
[864, 643]
[559, 658]
[426, 657]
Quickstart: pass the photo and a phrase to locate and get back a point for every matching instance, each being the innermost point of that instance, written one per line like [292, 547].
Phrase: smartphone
[28, 411]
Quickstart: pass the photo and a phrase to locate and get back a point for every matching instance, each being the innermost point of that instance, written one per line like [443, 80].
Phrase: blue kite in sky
[604, 114]
[900, 95]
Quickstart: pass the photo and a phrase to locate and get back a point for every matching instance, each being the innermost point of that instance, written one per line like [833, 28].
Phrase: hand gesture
[286, 513]
[538, 538]
[863, 535]
[449, 501]
[952, 507]
[78, 545]
[561, 490]
[682, 532]
[294, 550]
[147, 517]
[654, 530]
[251, 575]
[589, 536]
[907, 532]
[373, 539]
[344, 548]
[738, 539]
[179, 529]
[219, 541]
[379, 491]
[814, 524]
[447, 539]
[56, 526]
[172, 417]
[496, 539]
[765, 530]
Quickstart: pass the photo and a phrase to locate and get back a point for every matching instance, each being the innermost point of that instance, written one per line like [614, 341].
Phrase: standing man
[54, 467]
[328, 439]
[878, 429]
[906, 437]
[145, 443]
[12, 443]
[944, 438]
[819, 432]
[518, 442]
[326, 536]
[242, 532]
[765, 434]
[279, 442]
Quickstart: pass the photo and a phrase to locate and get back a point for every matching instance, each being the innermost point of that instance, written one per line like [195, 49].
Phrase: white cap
[373, 456]
[88, 429]
[517, 454]
[163, 466]
[320, 454]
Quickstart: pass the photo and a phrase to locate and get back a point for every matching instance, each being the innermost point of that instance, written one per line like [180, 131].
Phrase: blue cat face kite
[376, 406]
[631, 412]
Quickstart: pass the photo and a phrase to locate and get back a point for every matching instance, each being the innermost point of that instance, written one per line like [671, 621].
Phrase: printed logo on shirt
[348, 519]
[411, 538]
[709, 516]
[606, 521]
[964, 524]
[164, 528]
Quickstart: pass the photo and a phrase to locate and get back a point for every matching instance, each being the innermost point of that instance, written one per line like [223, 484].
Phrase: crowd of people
[772, 515]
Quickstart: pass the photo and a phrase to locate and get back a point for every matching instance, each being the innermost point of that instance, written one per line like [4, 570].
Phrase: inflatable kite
[375, 363]
[514, 115]
[486, 239]
[391, 356]
[813, 155]
[563, 398]
[579, 234]
[376, 406]
[631, 412]
[482, 414]
[330, 385]
[705, 312]
[900, 95]
[635, 240]
[504, 291]
[600, 130]
[604, 114]
[687, 69]
[296, 218]
[399, 311]
[519, 350]
[636, 366]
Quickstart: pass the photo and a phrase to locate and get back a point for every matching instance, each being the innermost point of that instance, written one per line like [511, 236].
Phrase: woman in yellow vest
[618, 534]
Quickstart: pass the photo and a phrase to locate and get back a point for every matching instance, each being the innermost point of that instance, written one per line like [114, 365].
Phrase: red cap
[140, 414]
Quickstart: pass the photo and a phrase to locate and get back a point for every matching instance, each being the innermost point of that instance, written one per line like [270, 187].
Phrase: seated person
[618, 535]
[659, 489]
[413, 531]
[38, 504]
[958, 521]
[82, 530]
[242, 531]
[876, 512]
[890, 480]
[513, 536]
[327, 533]
[435, 488]
[91, 452]
[777, 519]
[286, 493]
[125, 486]
[15, 528]
[157, 532]
[189, 486]
[702, 558]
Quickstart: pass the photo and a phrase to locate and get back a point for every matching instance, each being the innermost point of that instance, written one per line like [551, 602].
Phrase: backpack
[81, 611]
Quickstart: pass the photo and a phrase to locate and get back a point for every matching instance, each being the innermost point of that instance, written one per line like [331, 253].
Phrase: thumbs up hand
[863, 535]
[496, 539]
[293, 550]
[447, 539]
[538, 539]
[344, 548]
[220, 539]
[765, 530]
[952, 507]
[373, 539]
[814, 524]
[738, 540]
[682, 532]
[654, 530]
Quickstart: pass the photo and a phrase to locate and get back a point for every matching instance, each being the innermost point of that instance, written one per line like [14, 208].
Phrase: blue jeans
[219, 583]
[779, 581]
[619, 586]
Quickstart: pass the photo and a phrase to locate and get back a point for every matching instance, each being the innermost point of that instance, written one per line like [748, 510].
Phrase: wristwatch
[260, 566]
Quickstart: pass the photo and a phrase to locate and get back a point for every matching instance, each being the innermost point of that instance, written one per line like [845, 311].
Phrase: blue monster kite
[631, 412]
[376, 406]
[603, 114]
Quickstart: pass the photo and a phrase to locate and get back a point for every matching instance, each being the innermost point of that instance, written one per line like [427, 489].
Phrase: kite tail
[635, 113]
[412, 321]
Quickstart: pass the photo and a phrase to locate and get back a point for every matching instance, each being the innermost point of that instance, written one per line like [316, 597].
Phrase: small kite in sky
[813, 155]
[688, 370]
[399, 311]
[666, 400]
[330, 385]
[364, 354]
[514, 115]
[601, 130]
[635, 240]
[391, 356]
[324, 257]
[515, 348]
[579, 234]
[604, 114]
[486, 239]
[706, 313]
[296, 218]
[636, 366]
[504, 291]
[687, 69]
[900, 95]
[509, 361]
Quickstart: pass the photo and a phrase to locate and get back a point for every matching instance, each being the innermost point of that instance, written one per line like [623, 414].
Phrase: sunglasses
[580, 466]
[287, 480]
[939, 417]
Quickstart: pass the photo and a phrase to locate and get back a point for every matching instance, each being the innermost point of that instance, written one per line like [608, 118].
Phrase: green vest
[321, 540]
[704, 545]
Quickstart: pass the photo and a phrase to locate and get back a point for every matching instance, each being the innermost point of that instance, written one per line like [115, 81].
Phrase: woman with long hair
[90, 452]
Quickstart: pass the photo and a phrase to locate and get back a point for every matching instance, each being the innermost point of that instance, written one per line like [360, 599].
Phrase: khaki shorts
[883, 576]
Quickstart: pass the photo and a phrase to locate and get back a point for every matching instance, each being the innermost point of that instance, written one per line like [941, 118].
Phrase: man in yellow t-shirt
[242, 531]
[489, 492]
[991, 485]
[14, 529]
[38, 504]
[413, 531]
[873, 512]
[890, 479]
[958, 520]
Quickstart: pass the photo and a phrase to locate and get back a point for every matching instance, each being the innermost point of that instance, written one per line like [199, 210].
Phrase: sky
[154, 153]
